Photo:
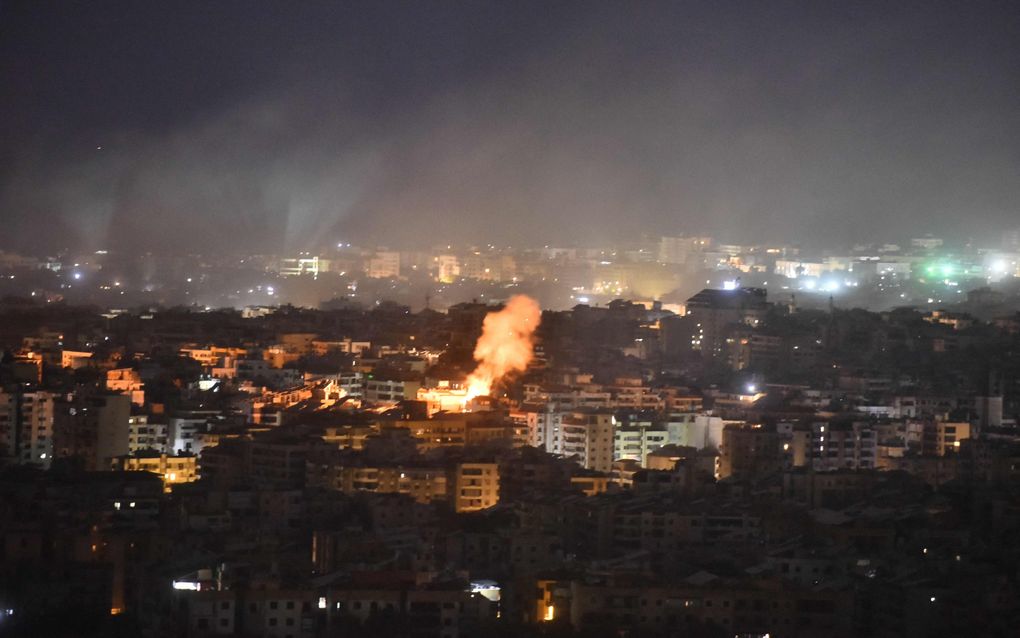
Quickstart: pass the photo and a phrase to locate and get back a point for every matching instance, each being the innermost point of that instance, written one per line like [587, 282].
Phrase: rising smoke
[405, 124]
[506, 345]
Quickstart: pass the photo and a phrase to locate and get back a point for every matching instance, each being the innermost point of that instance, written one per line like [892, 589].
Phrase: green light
[947, 269]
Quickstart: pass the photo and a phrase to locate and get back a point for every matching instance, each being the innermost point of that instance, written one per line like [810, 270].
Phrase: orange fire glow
[506, 344]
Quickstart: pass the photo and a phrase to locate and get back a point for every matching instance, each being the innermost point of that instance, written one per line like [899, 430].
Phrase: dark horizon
[262, 127]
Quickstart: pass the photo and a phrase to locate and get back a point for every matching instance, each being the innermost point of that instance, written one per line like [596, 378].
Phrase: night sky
[278, 126]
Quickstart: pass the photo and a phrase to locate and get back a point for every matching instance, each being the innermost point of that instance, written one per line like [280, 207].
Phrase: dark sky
[272, 126]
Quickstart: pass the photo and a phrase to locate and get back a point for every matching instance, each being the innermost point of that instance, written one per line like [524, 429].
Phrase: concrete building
[385, 264]
[298, 266]
[213, 356]
[750, 450]
[682, 250]
[695, 429]
[447, 268]
[636, 442]
[544, 426]
[94, 428]
[126, 381]
[147, 434]
[75, 359]
[589, 436]
[713, 314]
[277, 462]
[184, 429]
[475, 486]
[173, 470]
[843, 446]
[26, 427]
[381, 390]
[937, 438]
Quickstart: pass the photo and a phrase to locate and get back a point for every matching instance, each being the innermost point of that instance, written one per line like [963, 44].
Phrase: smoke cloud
[277, 129]
[506, 345]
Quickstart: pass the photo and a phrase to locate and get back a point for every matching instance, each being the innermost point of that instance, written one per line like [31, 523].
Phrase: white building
[184, 430]
[634, 442]
[544, 427]
[696, 430]
[143, 435]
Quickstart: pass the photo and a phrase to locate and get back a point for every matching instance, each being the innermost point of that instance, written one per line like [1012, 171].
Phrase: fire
[506, 344]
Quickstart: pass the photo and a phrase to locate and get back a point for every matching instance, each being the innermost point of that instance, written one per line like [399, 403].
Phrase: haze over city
[264, 127]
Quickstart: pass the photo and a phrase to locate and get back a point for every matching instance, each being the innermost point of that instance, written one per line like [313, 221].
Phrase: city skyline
[920, 272]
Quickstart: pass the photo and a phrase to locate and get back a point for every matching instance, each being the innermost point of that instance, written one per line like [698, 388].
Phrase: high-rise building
[147, 434]
[750, 450]
[989, 404]
[681, 250]
[843, 446]
[713, 314]
[94, 428]
[447, 268]
[589, 435]
[635, 441]
[384, 264]
[476, 486]
[544, 426]
[26, 427]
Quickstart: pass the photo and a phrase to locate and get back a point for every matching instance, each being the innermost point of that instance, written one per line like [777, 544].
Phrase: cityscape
[925, 271]
[457, 320]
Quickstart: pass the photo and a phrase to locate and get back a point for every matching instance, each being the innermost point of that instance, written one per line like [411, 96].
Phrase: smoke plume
[235, 128]
[506, 344]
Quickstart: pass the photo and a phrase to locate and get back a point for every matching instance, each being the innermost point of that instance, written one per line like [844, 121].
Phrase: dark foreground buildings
[746, 468]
